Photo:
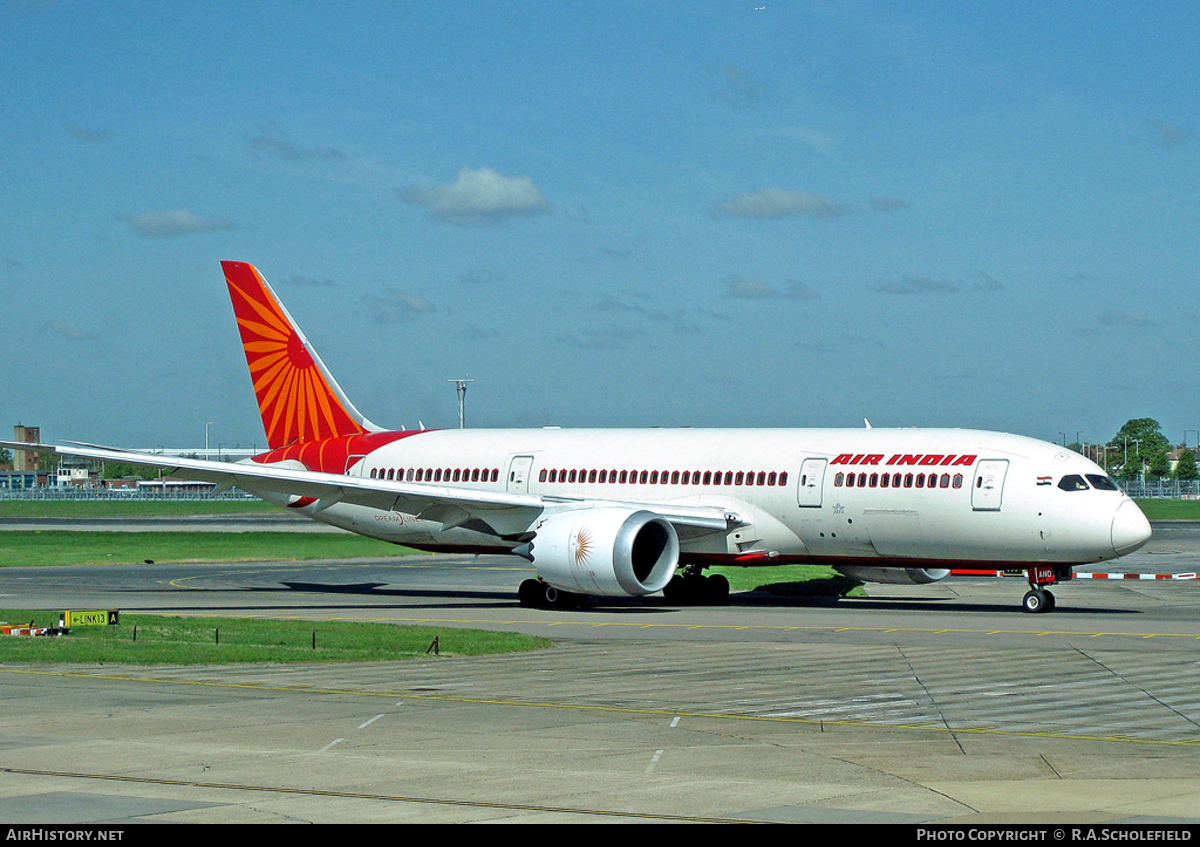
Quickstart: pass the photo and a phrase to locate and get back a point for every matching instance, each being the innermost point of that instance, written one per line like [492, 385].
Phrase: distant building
[18, 480]
[75, 473]
[27, 460]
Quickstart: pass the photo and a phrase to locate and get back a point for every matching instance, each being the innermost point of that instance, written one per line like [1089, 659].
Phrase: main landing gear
[542, 595]
[1038, 598]
[689, 586]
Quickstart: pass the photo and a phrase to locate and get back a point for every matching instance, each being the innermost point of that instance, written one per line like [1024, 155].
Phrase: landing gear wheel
[529, 592]
[716, 590]
[1038, 600]
[543, 595]
[697, 590]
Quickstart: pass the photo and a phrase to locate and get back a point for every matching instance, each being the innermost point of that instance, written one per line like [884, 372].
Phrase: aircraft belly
[897, 533]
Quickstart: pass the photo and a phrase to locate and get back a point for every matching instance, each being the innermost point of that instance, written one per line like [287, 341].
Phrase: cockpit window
[1102, 483]
[1072, 482]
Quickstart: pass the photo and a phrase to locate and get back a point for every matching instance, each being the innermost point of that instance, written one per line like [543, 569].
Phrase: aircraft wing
[504, 514]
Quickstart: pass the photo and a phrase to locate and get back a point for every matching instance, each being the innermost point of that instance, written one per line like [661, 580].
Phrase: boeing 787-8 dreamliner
[631, 512]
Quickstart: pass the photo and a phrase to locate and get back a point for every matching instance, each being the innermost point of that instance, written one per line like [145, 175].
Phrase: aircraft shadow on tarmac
[445, 598]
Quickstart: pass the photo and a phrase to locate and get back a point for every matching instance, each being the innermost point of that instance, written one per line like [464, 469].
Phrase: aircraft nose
[1130, 529]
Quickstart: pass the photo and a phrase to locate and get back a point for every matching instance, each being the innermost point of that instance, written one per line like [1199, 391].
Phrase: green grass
[159, 639]
[807, 580]
[129, 508]
[31, 548]
[1159, 509]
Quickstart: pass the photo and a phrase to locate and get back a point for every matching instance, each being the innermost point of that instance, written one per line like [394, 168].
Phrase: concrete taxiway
[940, 703]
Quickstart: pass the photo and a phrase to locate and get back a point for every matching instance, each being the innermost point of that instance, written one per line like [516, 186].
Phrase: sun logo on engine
[583, 546]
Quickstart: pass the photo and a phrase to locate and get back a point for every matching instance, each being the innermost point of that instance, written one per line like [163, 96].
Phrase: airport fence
[1174, 489]
[78, 493]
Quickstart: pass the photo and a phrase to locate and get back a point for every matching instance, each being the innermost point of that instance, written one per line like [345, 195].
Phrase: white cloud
[779, 203]
[884, 205]
[1168, 134]
[752, 289]
[741, 90]
[271, 139]
[1126, 319]
[916, 285]
[173, 223]
[396, 307]
[478, 196]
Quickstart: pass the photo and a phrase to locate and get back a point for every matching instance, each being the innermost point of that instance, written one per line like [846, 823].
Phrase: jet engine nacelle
[610, 551]
[893, 576]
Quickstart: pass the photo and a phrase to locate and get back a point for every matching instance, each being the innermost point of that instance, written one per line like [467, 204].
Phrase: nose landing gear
[1039, 598]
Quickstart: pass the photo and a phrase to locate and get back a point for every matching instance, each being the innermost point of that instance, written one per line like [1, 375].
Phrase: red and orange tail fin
[298, 398]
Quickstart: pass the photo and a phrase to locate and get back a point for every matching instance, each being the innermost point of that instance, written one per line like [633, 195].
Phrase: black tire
[716, 590]
[1034, 602]
[675, 591]
[529, 593]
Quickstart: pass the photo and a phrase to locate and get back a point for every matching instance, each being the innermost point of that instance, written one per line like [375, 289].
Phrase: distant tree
[1136, 443]
[1185, 468]
[5, 458]
[120, 470]
[1159, 465]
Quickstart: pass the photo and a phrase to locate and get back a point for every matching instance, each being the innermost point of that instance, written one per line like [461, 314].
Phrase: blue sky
[611, 214]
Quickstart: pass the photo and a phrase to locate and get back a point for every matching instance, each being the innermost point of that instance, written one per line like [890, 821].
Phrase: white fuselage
[889, 497]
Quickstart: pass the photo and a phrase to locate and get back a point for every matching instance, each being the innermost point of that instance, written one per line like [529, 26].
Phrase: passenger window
[1102, 483]
[1072, 482]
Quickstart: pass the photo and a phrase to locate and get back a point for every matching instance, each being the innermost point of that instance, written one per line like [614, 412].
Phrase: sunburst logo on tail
[294, 398]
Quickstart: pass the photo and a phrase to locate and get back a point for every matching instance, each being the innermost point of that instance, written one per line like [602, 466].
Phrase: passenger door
[812, 480]
[987, 491]
[518, 474]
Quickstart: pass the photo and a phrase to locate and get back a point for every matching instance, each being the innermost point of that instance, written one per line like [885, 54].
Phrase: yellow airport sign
[92, 618]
